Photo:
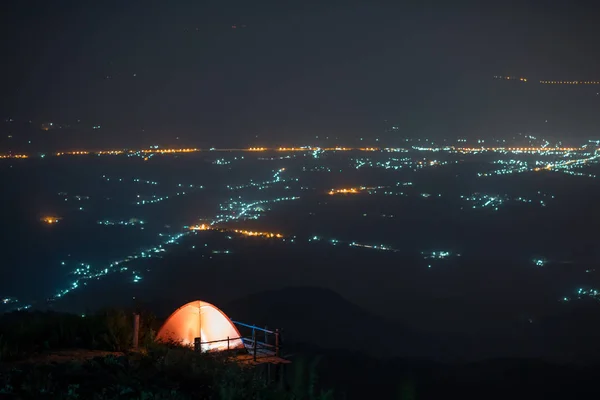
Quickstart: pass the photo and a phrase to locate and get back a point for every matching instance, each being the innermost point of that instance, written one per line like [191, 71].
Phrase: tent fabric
[200, 319]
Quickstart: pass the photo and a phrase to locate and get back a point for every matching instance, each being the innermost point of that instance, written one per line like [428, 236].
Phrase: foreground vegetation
[157, 372]
[23, 334]
[162, 373]
[28, 370]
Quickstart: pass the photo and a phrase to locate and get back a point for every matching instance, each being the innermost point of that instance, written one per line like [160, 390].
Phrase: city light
[296, 170]
[148, 153]
[202, 227]
[353, 190]
[584, 293]
[14, 156]
[253, 233]
[50, 220]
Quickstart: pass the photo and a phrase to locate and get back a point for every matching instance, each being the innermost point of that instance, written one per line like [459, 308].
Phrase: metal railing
[271, 341]
[257, 348]
[198, 344]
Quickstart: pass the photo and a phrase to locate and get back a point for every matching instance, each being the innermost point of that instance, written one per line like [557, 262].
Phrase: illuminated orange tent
[203, 320]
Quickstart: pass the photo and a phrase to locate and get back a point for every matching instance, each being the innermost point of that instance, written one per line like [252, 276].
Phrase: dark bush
[25, 333]
[163, 373]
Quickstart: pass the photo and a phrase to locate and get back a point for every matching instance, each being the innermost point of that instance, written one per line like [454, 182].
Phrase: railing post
[227, 342]
[277, 342]
[197, 345]
[254, 350]
[136, 330]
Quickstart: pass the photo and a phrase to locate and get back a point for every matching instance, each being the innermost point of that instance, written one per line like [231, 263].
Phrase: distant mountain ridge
[324, 318]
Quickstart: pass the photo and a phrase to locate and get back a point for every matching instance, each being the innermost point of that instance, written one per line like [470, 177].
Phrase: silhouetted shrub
[24, 333]
[160, 371]
[164, 373]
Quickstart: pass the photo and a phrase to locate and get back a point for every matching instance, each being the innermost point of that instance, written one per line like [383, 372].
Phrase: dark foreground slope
[359, 377]
[27, 371]
[161, 373]
[181, 374]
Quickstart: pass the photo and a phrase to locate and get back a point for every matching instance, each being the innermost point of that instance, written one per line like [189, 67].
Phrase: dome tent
[203, 320]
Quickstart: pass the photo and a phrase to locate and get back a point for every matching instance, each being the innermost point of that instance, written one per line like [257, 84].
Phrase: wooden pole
[136, 330]
[277, 342]
[227, 342]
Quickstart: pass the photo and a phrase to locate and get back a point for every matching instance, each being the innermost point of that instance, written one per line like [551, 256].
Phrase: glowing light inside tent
[203, 320]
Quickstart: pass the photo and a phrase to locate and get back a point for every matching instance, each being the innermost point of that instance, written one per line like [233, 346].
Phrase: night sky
[243, 73]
